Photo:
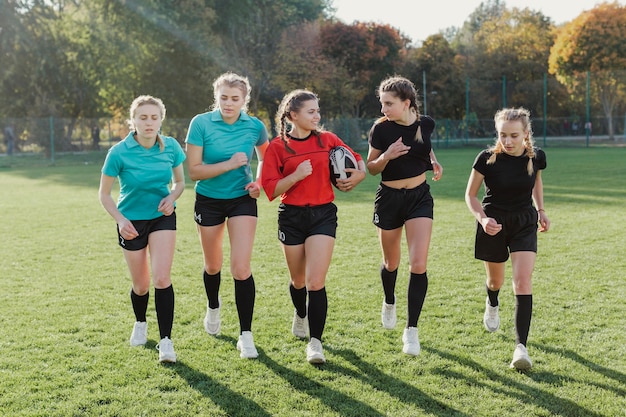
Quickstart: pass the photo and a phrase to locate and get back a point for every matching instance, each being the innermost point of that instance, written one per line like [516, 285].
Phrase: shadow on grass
[231, 402]
[619, 377]
[408, 394]
[512, 388]
[343, 404]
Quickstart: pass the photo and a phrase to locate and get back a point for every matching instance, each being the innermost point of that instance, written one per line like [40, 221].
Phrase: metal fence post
[52, 140]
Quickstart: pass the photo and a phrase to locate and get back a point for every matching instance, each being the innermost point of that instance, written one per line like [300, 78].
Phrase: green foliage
[65, 311]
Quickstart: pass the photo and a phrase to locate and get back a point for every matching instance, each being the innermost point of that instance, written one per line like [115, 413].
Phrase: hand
[356, 176]
[396, 149]
[437, 171]
[238, 159]
[254, 189]
[166, 206]
[544, 222]
[127, 230]
[490, 226]
[304, 170]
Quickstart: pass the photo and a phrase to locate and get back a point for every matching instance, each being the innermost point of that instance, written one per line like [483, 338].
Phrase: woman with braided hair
[400, 151]
[296, 169]
[507, 220]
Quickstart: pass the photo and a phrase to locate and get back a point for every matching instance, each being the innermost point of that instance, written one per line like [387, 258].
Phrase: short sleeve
[540, 159]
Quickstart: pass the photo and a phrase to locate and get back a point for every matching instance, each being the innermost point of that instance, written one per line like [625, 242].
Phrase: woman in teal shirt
[220, 144]
[145, 163]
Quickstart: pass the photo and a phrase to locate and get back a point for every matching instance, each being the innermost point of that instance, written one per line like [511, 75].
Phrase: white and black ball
[340, 158]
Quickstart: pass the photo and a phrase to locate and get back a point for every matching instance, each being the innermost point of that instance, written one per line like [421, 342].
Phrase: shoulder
[483, 156]
[170, 141]
[427, 121]
[540, 158]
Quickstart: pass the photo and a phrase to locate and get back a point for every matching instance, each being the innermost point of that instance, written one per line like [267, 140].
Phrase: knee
[162, 281]
[241, 272]
[141, 288]
[418, 267]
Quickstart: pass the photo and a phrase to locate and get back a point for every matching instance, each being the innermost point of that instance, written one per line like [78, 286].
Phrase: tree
[445, 87]
[594, 42]
[366, 53]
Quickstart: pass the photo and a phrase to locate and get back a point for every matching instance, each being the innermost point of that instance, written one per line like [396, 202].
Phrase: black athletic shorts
[519, 233]
[213, 211]
[144, 228]
[393, 206]
[296, 223]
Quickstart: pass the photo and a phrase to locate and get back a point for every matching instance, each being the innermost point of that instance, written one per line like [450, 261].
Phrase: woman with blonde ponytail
[149, 168]
[507, 219]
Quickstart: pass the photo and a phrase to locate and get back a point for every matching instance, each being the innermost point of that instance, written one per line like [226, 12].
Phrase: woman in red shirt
[296, 169]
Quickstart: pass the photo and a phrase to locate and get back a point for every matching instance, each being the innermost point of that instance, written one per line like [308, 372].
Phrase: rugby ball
[340, 158]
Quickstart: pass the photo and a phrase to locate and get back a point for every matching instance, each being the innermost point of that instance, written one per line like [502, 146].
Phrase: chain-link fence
[51, 136]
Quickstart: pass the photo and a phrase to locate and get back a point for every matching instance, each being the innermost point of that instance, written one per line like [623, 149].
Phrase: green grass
[65, 313]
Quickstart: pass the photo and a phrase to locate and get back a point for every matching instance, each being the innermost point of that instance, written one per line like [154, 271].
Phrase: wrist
[541, 210]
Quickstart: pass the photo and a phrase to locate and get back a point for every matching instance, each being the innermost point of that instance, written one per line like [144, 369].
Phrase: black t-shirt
[417, 160]
[508, 187]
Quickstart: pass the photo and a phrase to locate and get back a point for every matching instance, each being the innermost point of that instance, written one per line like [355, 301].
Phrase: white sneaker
[388, 315]
[139, 336]
[245, 345]
[521, 360]
[411, 341]
[314, 353]
[212, 320]
[491, 319]
[299, 325]
[166, 350]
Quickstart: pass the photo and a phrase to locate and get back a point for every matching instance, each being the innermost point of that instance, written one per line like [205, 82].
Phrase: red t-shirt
[314, 190]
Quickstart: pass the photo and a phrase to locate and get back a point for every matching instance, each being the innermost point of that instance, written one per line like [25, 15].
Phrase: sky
[405, 15]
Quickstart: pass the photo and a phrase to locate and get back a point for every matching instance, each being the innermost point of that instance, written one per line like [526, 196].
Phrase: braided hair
[515, 114]
[293, 102]
[403, 89]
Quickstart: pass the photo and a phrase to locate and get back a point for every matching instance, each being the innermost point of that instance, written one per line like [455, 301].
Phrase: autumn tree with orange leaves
[594, 42]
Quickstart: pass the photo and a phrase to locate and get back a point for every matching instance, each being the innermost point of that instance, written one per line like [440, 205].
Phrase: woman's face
[231, 100]
[511, 135]
[308, 117]
[392, 107]
[147, 121]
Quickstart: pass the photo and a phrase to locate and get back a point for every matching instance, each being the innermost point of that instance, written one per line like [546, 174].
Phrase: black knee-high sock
[317, 310]
[493, 296]
[164, 303]
[298, 298]
[245, 292]
[389, 284]
[418, 285]
[212, 288]
[140, 304]
[523, 314]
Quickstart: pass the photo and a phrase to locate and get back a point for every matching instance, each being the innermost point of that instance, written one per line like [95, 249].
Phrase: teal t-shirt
[220, 141]
[144, 175]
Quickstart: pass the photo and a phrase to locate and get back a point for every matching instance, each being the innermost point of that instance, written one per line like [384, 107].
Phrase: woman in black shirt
[507, 220]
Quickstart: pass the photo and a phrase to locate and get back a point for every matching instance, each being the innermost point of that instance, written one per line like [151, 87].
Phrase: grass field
[65, 314]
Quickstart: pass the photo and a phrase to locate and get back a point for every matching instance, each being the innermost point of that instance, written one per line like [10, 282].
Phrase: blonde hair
[403, 89]
[230, 79]
[141, 101]
[293, 102]
[510, 115]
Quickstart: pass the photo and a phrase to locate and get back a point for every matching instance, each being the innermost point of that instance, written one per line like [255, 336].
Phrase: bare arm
[489, 225]
[201, 171]
[377, 160]
[127, 230]
[166, 206]
[544, 221]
